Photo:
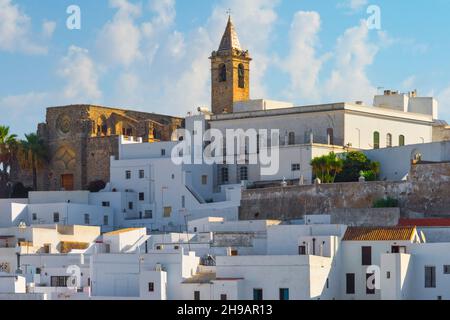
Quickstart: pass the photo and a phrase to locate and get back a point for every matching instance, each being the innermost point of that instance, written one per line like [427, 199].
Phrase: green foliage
[355, 164]
[33, 154]
[96, 186]
[327, 167]
[386, 203]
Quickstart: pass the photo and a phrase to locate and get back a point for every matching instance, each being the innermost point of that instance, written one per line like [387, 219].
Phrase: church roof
[230, 38]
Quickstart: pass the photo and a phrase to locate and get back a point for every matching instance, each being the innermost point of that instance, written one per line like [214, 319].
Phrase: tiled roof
[113, 233]
[429, 222]
[379, 233]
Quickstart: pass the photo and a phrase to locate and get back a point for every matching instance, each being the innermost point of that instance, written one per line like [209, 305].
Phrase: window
[59, 281]
[302, 250]
[330, 136]
[141, 196]
[222, 73]
[370, 283]
[87, 219]
[141, 174]
[105, 204]
[105, 220]
[388, 275]
[447, 269]
[223, 297]
[328, 283]
[34, 215]
[430, 277]
[224, 175]
[128, 174]
[366, 256]
[389, 140]
[295, 167]
[241, 76]
[398, 249]
[234, 253]
[56, 217]
[376, 140]
[243, 171]
[291, 138]
[401, 140]
[151, 287]
[130, 205]
[257, 294]
[183, 202]
[350, 283]
[284, 294]
[163, 152]
[167, 212]
[204, 179]
[148, 214]
[196, 295]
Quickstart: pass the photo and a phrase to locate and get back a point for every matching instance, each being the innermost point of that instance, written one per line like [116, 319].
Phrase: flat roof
[116, 232]
[331, 107]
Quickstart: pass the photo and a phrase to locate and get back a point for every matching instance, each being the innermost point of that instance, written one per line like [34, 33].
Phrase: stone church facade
[82, 138]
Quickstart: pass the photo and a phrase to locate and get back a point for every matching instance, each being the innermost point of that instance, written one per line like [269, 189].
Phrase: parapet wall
[426, 193]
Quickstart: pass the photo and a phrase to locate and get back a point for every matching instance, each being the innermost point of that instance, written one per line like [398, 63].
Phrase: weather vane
[229, 11]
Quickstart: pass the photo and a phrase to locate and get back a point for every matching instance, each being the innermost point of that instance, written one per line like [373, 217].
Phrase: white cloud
[81, 76]
[174, 74]
[353, 5]
[15, 30]
[353, 54]
[119, 39]
[48, 28]
[302, 64]
[409, 83]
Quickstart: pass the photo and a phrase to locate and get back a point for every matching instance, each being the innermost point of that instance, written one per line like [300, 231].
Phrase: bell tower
[230, 72]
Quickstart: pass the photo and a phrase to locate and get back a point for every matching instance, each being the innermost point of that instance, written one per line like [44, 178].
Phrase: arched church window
[389, 140]
[222, 73]
[330, 136]
[241, 76]
[376, 140]
[401, 140]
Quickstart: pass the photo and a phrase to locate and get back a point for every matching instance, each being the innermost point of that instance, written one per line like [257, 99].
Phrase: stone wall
[366, 217]
[424, 194]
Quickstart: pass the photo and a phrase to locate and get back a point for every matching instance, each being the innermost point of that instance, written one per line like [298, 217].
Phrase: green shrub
[386, 203]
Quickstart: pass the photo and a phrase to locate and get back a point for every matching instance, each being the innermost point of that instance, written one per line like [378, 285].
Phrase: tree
[357, 164]
[33, 154]
[96, 186]
[327, 167]
[8, 146]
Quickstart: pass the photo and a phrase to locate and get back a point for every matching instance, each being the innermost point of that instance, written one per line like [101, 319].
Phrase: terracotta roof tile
[379, 233]
[429, 222]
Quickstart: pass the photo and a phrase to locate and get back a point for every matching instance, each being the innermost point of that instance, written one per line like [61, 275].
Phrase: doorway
[67, 182]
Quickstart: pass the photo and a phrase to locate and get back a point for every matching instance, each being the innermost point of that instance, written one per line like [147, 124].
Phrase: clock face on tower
[63, 124]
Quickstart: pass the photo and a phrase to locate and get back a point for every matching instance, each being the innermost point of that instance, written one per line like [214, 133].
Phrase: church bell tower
[230, 72]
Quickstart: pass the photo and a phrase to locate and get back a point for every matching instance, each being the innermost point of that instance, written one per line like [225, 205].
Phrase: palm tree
[327, 167]
[8, 145]
[33, 154]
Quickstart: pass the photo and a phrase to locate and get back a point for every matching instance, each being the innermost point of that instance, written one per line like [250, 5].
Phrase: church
[82, 138]
[395, 119]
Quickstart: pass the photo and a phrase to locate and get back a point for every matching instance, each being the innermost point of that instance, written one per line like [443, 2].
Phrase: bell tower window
[241, 76]
[222, 73]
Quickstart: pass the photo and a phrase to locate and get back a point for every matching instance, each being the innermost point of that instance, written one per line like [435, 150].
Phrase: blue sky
[152, 55]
